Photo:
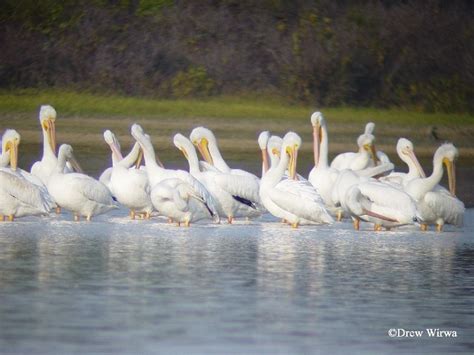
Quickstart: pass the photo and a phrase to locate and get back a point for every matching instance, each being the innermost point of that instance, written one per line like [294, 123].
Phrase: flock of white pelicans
[358, 185]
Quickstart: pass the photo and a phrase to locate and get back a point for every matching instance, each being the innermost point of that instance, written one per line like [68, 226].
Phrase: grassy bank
[86, 104]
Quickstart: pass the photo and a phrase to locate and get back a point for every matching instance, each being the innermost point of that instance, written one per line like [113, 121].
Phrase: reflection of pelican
[297, 203]
[174, 193]
[79, 193]
[407, 155]
[246, 183]
[437, 205]
[372, 201]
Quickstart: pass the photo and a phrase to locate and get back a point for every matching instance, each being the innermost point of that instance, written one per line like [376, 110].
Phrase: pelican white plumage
[226, 189]
[322, 176]
[435, 204]
[129, 184]
[43, 168]
[206, 142]
[174, 193]
[361, 159]
[116, 155]
[406, 153]
[245, 184]
[21, 194]
[9, 163]
[372, 201]
[298, 204]
[77, 192]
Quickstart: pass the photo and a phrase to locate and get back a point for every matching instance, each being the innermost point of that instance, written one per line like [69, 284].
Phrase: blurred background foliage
[412, 54]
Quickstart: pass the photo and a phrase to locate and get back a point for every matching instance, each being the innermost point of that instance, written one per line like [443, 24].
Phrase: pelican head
[274, 145]
[366, 142]
[405, 151]
[47, 117]
[114, 144]
[317, 121]
[263, 138]
[10, 142]
[448, 153]
[201, 137]
[66, 151]
[291, 144]
[183, 144]
[369, 128]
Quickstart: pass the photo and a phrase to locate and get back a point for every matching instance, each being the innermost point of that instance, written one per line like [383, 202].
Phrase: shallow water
[121, 286]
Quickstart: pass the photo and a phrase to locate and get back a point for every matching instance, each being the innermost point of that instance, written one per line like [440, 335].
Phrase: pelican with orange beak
[43, 168]
[436, 204]
[23, 193]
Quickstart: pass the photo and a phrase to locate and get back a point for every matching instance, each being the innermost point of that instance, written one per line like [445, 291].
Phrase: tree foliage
[370, 53]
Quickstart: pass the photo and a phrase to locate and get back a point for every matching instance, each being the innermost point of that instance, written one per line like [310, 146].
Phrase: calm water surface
[120, 286]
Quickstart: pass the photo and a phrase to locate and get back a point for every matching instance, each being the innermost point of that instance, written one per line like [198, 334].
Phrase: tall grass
[69, 103]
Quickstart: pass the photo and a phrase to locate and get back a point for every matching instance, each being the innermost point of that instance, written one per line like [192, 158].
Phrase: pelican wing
[199, 191]
[445, 205]
[243, 186]
[24, 191]
[90, 188]
[301, 200]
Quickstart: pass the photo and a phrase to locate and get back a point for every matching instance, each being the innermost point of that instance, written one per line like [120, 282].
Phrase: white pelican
[79, 193]
[298, 204]
[18, 198]
[43, 169]
[174, 193]
[322, 176]
[249, 184]
[116, 155]
[372, 201]
[407, 154]
[382, 157]
[359, 160]
[9, 156]
[20, 193]
[130, 185]
[437, 205]
[226, 189]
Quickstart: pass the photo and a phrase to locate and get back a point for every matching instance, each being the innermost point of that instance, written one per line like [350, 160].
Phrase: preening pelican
[435, 204]
[174, 193]
[297, 204]
[79, 193]
[372, 201]
[407, 154]
[116, 155]
[130, 186]
[226, 189]
[359, 160]
[249, 184]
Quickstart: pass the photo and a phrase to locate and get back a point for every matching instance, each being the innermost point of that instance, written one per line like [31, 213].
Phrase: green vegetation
[70, 103]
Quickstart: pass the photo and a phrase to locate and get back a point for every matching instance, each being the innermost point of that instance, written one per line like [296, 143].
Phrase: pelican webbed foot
[424, 227]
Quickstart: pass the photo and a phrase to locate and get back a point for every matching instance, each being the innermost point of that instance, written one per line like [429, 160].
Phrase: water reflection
[126, 286]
